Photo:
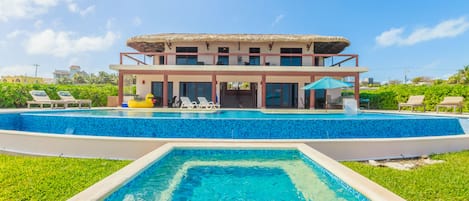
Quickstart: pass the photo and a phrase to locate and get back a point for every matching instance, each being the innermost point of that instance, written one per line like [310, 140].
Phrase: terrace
[265, 59]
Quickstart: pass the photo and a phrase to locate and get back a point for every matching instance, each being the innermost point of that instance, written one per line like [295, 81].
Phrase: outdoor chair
[451, 101]
[413, 101]
[204, 103]
[187, 103]
[41, 98]
[67, 96]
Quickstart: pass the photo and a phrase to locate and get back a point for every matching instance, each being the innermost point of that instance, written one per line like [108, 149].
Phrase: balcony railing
[147, 58]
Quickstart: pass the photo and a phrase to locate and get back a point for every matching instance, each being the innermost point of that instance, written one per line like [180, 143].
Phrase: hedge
[15, 95]
[389, 97]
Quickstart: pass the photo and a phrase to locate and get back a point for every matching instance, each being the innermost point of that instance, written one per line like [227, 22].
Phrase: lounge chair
[451, 101]
[204, 103]
[187, 103]
[67, 96]
[414, 101]
[41, 98]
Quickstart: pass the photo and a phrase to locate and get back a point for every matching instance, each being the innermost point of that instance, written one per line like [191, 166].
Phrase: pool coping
[105, 187]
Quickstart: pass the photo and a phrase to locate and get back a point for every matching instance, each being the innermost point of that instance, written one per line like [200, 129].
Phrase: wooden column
[312, 95]
[357, 88]
[264, 90]
[120, 90]
[165, 90]
[214, 88]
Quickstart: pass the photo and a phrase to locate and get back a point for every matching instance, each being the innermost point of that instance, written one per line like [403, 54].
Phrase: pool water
[200, 174]
[222, 114]
[223, 124]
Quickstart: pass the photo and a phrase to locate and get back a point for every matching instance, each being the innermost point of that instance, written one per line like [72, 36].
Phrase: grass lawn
[444, 181]
[55, 178]
[50, 178]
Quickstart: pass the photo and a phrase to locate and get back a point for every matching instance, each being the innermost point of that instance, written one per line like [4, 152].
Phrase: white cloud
[137, 21]
[38, 24]
[10, 9]
[73, 7]
[63, 44]
[277, 19]
[446, 29]
[15, 34]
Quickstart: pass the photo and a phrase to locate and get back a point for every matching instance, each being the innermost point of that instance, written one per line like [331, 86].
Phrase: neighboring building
[22, 79]
[238, 70]
[58, 74]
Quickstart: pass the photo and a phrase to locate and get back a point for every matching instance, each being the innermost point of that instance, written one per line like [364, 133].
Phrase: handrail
[263, 56]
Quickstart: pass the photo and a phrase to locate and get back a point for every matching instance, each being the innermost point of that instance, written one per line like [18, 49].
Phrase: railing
[140, 58]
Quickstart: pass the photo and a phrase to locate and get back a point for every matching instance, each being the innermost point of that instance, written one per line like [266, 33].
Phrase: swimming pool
[235, 171]
[202, 174]
[223, 124]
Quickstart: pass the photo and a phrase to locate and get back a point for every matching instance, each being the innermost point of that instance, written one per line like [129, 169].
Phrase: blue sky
[392, 38]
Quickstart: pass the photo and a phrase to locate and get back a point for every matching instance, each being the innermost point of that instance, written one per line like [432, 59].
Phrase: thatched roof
[156, 42]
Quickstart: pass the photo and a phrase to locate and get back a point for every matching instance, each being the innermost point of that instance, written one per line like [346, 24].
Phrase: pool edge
[109, 184]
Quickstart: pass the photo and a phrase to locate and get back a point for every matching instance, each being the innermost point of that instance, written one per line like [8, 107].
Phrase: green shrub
[14, 95]
[389, 97]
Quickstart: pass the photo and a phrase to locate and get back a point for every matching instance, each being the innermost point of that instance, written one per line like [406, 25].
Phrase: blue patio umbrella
[327, 83]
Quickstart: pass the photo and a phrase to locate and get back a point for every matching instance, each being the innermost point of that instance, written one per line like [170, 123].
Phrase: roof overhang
[157, 42]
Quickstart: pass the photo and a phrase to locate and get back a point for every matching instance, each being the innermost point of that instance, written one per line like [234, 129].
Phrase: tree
[461, 77]
[417, 80]
[64, 80]
[79, 78]
[394, 82]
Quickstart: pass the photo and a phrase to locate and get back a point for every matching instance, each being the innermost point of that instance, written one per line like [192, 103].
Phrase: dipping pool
[226, 124]
[204, 174]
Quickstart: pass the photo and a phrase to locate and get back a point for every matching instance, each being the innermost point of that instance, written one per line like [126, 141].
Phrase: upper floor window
[186, 59]
[223, 59]
[290, 60]
[254, 59]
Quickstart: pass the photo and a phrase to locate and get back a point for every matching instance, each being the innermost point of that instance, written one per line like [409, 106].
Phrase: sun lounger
[187, 103]
[67, 96]
[451, 101]
[414, 101]
[204, 103]
[41, 98]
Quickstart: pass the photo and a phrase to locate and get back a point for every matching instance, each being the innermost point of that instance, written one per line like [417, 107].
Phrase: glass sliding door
[254, 59]
[282, 95]
[157, 91]
[290, 60]
[186, 59]
[196, 89]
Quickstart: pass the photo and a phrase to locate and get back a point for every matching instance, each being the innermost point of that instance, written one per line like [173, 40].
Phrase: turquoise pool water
[199, 174]
[223, 114]
[227, 124]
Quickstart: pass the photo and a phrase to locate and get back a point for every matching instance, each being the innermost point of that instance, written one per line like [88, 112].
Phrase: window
[291, 60]
[254, 60]
[223, 59]
[186, 59]
[161, 60]
[196, 89]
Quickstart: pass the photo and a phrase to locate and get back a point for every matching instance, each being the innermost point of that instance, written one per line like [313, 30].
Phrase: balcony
[265, 59]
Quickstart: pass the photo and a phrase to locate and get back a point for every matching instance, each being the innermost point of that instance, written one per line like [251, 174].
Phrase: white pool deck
[363, 185]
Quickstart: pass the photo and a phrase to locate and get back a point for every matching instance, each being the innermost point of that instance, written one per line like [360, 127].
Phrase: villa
[237, 70]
